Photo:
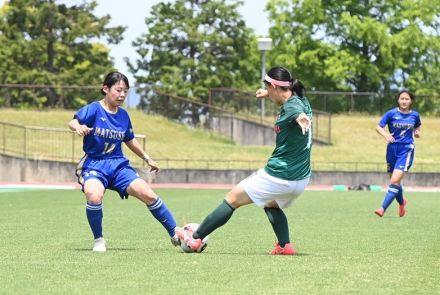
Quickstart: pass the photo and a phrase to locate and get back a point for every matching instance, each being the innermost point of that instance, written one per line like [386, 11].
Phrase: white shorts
[263, 188]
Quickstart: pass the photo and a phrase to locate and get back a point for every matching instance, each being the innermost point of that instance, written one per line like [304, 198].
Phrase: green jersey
[291, 158]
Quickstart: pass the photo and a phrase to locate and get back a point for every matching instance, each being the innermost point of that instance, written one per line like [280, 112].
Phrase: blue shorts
[115, 174]
[400, 156]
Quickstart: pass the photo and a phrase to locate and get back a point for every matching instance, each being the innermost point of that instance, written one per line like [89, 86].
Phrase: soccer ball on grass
[189, 229]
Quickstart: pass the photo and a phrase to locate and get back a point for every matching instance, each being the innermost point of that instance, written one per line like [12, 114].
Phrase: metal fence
[57, 144]
[316, 165]
[326, 101]
[221, 101]
[244, 103]
[230, 100]
[240, 105]
[52, 144]
[369, 102]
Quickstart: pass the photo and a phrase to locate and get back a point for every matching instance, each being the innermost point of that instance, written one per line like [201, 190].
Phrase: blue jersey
[401, 125]
[109, 131]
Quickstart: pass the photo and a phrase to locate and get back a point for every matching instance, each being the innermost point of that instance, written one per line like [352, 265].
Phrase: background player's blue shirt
[109, 131]
[400, 125]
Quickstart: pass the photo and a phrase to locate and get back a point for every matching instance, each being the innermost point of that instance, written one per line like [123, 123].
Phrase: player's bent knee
[395, 180]
[147, 199]
[237, 200]
[94, 198]
[142, 191]
[144, 194]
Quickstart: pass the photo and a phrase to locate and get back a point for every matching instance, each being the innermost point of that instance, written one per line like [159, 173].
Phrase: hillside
[353, 136]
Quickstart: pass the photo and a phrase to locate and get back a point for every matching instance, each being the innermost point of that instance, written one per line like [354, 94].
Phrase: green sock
[279, 224]
[217, 218]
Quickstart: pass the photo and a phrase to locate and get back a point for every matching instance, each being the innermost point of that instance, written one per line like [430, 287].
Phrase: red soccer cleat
[286, 250]
[197, 245]
[379, 212]
[402, 208]
[185, 237]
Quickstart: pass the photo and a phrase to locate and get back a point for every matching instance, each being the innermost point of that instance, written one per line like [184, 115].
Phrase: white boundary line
[37, 186]
[70, 186]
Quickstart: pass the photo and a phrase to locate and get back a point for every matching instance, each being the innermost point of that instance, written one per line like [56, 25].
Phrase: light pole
[264, 44]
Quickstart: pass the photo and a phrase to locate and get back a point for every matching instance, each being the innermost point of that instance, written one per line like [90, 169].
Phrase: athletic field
[343, 247]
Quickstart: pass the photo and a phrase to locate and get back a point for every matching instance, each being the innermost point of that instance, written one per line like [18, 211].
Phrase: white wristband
[146, 158]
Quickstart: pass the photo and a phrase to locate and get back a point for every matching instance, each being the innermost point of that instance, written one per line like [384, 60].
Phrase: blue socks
[94, 216]
[392, 193]
[158, 209]
[163, 215]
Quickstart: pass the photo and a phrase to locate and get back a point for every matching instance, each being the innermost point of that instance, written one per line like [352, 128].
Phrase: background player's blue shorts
[400, 156]
[115, 174]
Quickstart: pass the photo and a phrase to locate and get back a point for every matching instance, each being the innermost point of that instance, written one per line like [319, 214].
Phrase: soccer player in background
[403, 125]
[285, 175]
[104, 126]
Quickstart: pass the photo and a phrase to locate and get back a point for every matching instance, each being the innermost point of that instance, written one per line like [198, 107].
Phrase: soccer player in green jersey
[285, 175]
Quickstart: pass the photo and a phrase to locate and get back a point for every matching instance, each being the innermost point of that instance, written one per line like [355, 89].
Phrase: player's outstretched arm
[136, 148]
[304, 122]
[261, 93]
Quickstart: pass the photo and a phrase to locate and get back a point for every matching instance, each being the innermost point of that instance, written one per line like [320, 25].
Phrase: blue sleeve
[418, 121]
[385, 119]
[129, 133]
[86, 115]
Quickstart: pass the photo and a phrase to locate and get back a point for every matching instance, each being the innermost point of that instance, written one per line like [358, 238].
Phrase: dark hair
[411, 95]
[112, 78]
[283, 74]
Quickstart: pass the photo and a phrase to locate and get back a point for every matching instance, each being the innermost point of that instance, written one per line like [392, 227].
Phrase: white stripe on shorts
[408, 158]
[263, 188]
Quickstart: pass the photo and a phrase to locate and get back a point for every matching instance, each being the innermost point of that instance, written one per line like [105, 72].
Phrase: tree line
[190, 46]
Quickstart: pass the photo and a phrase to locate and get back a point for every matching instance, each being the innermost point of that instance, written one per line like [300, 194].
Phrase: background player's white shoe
[99, 245]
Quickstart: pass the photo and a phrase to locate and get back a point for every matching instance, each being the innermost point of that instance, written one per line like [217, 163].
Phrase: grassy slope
[165, 139]
[353, 136]
[355, 139]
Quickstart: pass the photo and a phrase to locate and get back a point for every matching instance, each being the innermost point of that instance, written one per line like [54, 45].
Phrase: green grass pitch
[45, 247]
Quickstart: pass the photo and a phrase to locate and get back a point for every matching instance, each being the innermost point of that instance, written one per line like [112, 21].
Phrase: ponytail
[282, 75]
[297, 87]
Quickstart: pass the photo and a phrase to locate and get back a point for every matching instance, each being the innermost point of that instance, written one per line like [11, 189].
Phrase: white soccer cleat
[99, 245]
[175, 240]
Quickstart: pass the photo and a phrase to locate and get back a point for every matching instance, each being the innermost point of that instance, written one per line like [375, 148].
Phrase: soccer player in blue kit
[104, 126]
[403, 125]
